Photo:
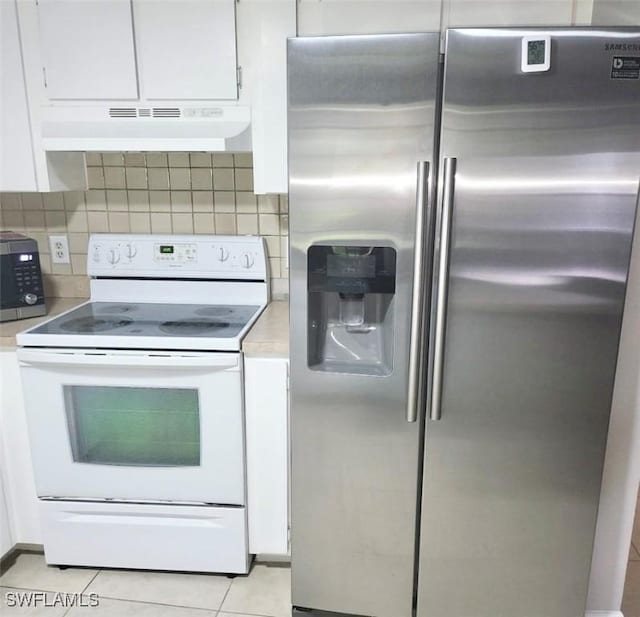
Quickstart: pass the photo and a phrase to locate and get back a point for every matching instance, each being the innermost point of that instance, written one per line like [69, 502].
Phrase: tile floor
[631, 602]
[265, 592]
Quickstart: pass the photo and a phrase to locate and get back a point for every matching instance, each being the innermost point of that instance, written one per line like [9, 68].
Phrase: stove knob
[247, 260]
[96, 255]
[114, 256]
[132, 251]
[30, 298]
[223, 254]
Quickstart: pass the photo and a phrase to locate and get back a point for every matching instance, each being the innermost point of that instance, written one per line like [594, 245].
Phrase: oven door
[135, 425]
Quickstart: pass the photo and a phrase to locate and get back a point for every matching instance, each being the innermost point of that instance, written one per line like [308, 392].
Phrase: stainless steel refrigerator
[460, 237]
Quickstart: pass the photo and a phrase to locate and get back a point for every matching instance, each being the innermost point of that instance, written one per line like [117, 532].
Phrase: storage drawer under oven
[145, 536]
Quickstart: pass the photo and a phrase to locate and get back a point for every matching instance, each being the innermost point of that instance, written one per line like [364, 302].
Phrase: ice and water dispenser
[350, 309]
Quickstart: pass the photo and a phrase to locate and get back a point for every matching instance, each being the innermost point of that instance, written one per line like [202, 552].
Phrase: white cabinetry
[471, 13]
[316, 17]
[6, 537]
[111, 49]
[87, 49]
[616, 12]
[24, 165]
[263, 29]
[17, 171]
[267, 421]
[15, 455]
[186, 49]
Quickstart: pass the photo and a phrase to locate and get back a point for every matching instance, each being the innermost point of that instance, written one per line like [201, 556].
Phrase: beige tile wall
[152, 192]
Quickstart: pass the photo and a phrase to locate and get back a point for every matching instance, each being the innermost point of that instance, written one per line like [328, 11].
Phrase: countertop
[55, 306]
[269, 336]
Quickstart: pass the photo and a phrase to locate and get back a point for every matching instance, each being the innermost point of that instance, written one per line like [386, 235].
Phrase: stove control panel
[149, 256]
[177, 253]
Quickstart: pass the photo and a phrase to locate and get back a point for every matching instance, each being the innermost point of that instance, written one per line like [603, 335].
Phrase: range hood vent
[145, 112]
[166, 112]
[187, 127]
[122, 112]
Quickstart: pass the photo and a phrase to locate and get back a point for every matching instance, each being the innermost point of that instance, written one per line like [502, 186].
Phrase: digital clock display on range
[166, 249]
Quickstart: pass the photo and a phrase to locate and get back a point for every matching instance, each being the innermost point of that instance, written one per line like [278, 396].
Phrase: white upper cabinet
[186, 49]
[87, 49]
[471, 13]
[17, 172]
[24, 165]
[317, 17]
[616, 12]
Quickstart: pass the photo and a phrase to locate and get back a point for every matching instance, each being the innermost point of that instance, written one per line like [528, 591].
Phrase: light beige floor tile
[631, 599]
[31, 572]
[190, 590]
[265, 591]
[634, 555]
[122, 608]
[10, 600]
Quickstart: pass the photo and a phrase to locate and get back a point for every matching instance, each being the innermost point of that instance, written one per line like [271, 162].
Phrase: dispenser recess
[350, 308]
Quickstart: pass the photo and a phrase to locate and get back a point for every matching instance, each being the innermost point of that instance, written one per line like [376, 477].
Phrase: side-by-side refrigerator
[460, 237]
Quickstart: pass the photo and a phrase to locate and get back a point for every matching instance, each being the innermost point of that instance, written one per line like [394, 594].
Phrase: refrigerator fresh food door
[361, 144]
[538, 189]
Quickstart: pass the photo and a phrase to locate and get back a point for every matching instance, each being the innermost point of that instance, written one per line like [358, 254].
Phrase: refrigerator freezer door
[361, 118]
[544, 199]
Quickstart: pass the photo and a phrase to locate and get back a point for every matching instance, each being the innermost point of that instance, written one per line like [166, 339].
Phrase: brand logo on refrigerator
[622, 46]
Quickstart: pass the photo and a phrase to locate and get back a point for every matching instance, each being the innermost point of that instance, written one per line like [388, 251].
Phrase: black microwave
[21, 290]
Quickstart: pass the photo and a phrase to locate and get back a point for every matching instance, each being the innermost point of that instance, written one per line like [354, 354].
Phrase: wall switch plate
[59, 248]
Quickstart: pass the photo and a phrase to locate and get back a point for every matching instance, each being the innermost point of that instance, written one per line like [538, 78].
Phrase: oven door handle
[147, 360]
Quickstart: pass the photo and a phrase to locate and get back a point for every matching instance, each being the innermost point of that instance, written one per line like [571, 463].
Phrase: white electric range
[135, 405]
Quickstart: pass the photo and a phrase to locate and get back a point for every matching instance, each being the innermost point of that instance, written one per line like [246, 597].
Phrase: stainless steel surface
[417, 293]
[24, 312]
[543, 213]
[448, 187]
[361, 115]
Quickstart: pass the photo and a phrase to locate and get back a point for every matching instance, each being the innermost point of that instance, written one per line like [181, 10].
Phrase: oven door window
[141, 427]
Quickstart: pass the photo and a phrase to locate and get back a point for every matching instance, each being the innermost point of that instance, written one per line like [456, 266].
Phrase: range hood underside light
[145, 128]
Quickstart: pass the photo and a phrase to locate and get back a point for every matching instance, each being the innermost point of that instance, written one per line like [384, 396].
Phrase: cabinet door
[267, 435]
[87, 49]
[17, 171]
[317, 17]
[6, 538]
[186, 49]
[471, 13]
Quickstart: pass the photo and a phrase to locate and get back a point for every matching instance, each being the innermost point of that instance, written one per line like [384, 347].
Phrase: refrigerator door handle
[449, 174]
[415, 337]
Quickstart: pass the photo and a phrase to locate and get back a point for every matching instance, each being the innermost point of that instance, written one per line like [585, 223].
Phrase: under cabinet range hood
[165, 126]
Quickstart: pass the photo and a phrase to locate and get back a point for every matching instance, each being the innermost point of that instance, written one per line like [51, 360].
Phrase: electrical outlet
[59, 247]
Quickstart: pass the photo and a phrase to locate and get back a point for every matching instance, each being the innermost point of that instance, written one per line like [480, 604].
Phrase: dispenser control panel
[352, 269]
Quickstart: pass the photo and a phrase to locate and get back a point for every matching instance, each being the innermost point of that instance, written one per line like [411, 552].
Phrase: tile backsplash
[150, 192]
